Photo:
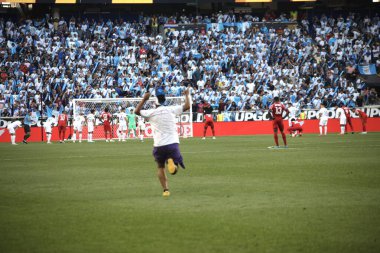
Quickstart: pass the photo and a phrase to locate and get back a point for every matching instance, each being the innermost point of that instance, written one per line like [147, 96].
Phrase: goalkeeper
[165, 136]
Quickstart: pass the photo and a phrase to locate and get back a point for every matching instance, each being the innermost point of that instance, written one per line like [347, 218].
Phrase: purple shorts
[163, 153]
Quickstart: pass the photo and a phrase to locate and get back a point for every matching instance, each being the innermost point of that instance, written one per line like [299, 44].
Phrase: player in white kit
[122, 129]
[293, 113]
[78, 127]
[48, 128]
[90, 125]
[141, 127]
[342, 118]
[12, 130]
[323, 116]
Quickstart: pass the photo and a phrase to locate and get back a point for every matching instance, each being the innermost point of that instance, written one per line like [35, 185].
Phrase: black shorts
[27, 129]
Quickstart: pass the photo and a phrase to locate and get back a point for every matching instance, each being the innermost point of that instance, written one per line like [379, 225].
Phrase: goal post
[114, 105]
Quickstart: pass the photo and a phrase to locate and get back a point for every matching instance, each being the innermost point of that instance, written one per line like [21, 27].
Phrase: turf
[322, 194]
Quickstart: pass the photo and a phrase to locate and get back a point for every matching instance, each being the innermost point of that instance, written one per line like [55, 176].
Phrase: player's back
[90, 118]
[340, 112]
[324, 112]
[62, 119]
[106, 117]
[163, 122]
[277, 109]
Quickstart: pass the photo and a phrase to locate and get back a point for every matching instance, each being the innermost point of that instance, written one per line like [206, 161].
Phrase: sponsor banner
[372, 112]
[221, 129]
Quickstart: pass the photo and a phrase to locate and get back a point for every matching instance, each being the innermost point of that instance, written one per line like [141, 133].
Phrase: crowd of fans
[48, 63]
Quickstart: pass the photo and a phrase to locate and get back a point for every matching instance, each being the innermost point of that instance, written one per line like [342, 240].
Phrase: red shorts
[61, 128]
[364, 120]
[209, 123]
[278, 124]
[107, 128]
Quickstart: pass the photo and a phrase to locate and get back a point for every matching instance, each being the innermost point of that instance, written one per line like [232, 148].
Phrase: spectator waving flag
[369, 69]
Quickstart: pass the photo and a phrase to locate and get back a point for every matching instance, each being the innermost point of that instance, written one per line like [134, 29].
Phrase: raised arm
[186, 106]
[142, 102]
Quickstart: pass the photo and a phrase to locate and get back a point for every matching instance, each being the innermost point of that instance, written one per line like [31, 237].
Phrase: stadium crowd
[48, 63]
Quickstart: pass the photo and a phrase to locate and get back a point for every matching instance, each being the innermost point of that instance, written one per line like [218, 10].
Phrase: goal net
[114, 105]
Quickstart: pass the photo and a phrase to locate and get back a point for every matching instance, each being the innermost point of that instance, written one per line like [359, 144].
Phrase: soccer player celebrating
[12, 130]
[106, 119]
[363, 117]
[132, 123]
[141, 127]
[27, 125]
[122, 119]
[165, 135]
[347, 112]
[90, 125]
[342, 118]
[295, 127]
[208, 119]
[276, 110]
[48, 128]
[323, 116]
[62, 124]
[78, 126]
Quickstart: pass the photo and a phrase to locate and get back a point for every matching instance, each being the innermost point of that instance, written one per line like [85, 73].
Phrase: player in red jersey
[363, 117]
[62, 124]
[106, 119]
[276, 110]
[295, 128]
[347, 112]
[208, 119]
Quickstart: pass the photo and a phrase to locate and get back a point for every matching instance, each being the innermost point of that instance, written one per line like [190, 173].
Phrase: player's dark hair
[276, 99]
[92, 110]
[106, 109]
[161, 99]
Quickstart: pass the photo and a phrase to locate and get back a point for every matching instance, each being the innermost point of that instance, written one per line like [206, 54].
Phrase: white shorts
[323, 122]
[78, 128]
[122, 127]
[343, 121]
[90, 128]
[47, 129]
[11, 130]
[141, 127]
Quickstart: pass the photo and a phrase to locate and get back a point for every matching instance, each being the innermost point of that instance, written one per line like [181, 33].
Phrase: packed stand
[46, 63]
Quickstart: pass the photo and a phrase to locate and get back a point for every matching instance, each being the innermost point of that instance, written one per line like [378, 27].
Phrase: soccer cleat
[80, 141]
[25, 142]
[166, 193]
[48, 142]
[172, 168]
[213, 138]
[14, 144]
[112, 141]
[363, 133]
[73, 141]
[204, 138]
[106, 140]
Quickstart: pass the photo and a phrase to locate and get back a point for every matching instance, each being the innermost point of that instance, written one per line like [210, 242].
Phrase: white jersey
[122, 118]
[48, 124]
[342, 116]
[79, 120]
[13, 126]
[292, 112]
[323, 113]
[141, 122]
[340, 113]
[90, 119]
[90, 122]
[163, 122]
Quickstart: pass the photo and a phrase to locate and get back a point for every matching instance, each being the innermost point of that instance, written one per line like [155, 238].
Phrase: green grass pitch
[236, 195]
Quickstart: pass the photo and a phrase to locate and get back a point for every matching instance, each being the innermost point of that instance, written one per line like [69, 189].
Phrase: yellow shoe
[166, 193]
[172, 168]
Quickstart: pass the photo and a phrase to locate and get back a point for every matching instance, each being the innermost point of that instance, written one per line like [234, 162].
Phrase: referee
[27, 124]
